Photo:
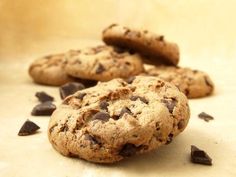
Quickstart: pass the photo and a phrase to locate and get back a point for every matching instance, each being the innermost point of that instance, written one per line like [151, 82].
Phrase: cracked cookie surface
[118, 119]
[193, 83]
[103, 63]
[155, 47]
[49, 70]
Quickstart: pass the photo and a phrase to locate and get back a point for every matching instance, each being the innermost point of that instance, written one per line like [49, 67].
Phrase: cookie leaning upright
[103, 63]
[154, 46]
[49, 70]
[117, 119]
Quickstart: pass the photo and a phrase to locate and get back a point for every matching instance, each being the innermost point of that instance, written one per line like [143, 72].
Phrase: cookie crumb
[28, 128]
[206, 117]
[199, 156]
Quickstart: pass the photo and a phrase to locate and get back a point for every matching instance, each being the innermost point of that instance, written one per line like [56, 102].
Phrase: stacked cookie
[135, 108]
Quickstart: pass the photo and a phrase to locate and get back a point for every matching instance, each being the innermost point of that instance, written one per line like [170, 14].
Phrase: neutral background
[205, 32]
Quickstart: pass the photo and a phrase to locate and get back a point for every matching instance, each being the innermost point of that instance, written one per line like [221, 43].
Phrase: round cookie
[193, 83]
[156, 49]
[103, 63]
[118, 119]
[49, 70]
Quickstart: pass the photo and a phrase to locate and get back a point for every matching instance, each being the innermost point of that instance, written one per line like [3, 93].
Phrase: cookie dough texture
[118, 119]
[49, 70]
[193, 83]
[154, 46]
[103, 63]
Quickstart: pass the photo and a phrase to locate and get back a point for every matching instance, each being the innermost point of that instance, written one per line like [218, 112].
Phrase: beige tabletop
[205, 32]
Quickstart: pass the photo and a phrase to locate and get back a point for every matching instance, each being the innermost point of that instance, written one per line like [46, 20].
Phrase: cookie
[193, 83]
[155, 47]
[118, 119]
[49, 70]
[103, 63]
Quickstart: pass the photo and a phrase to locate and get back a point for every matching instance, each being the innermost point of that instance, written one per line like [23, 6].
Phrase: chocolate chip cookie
[118, 119]
[193, 83]
[49, 70]
[155, 47]
[103, 63]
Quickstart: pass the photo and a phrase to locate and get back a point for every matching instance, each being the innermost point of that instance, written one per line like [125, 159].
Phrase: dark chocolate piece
[81, 96]
[43, 97]
[100, 68]
[125, 110]
[28, 128]
[43, 109]
[205, 116]
[170, 104]
[199, 156]
[103, 105]
[92, 139]
[101, 116]
[134, 98]
[130, 79]
[70, 88]
[128, 150]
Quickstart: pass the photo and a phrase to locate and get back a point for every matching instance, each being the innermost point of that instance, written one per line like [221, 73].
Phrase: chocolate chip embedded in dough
[134, 98]
[92, 139]
[70, 88]
[170, 104]
[28, 128]
[103, 105]
[130, 79]
[100, 69]
[102, 116]
[128, 150]
[125, 110]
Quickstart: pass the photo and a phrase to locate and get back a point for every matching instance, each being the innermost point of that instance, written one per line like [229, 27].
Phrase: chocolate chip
[103, 105]
[100, 68]
[101, 116]
[170, 104]
[128, 150]
[28, 128]
[170, 138]
[127, 31]
[199, 156]
[43, 109]
[161, 38]
[70, 88]
[92, 139]
[181, 124]
[43, 97]
[125, 110]
[64, 128]
[119, 50]
[130, 79]
[134, 98]
[205, 116]
[81, 96]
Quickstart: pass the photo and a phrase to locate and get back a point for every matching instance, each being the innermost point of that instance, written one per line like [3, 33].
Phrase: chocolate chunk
[125, 110]
[134, 98]
[92, 139]
[43, 97]
[43, 109]
[101, 116]
[200, 156]
[103, 105]
[170, 104]
[181, 124]
[130, 79]
[119, 50]
[170, 138]
[205, 116]
[161, 38]
[28, 128]
[100, 69]
[70, 88]
[81, 96]
[128, 150]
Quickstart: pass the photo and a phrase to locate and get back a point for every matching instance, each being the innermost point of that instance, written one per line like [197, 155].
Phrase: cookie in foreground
[118, 119]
